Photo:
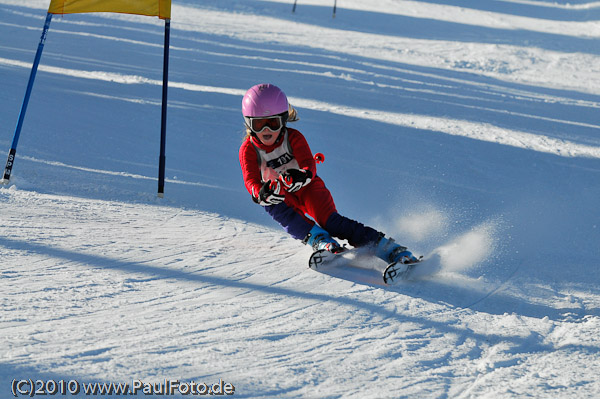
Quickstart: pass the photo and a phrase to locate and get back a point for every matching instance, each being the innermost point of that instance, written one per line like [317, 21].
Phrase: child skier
[281, 175]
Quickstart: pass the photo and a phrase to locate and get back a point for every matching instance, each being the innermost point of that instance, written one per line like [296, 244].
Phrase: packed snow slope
[468, 130]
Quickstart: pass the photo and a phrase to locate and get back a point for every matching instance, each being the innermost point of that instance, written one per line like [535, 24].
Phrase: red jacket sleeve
[250, 168]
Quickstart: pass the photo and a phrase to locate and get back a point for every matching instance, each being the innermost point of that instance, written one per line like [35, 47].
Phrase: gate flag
[155, 8]
[158, 8]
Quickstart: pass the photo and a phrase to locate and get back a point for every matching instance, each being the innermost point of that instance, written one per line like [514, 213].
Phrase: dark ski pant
[315, 201]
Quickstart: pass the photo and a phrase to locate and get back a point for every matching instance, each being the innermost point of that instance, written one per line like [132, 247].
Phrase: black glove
[270, 194]
[294, 179]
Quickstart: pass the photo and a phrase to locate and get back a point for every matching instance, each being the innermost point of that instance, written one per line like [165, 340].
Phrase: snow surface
[468, 130]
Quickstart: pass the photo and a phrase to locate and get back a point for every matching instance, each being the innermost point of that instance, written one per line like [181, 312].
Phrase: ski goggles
[273, 123]
[257, 125]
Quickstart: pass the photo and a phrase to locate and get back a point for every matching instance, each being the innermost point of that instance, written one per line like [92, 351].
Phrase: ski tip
[323, 256]
[397, 271]
[317, 258]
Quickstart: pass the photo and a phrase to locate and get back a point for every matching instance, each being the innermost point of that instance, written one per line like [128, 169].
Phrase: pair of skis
[392, 274]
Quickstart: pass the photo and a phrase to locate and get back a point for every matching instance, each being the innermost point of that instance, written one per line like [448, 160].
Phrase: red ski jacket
[261, 163]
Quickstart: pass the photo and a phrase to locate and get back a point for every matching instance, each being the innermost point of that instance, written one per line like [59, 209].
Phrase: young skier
[281, 175]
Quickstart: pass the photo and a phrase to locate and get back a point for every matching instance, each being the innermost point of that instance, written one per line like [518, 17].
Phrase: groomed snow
[468, 132]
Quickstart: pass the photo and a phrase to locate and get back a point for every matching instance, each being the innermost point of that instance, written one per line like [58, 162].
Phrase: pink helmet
[264, 99]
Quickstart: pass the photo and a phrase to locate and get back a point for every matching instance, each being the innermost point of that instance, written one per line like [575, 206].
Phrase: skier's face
[268, 137]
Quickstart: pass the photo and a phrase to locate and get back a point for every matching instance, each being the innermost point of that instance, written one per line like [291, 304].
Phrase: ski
[397, 271]
[323, 257]
[392, 274]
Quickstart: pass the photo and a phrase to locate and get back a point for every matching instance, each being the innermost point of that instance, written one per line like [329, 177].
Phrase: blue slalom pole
[13, 149]
[163, 120]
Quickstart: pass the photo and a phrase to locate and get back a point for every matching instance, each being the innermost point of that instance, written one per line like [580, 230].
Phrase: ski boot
[387, 250]
[318, 239]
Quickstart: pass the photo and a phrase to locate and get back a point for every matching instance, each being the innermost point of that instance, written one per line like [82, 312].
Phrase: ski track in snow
[83, 301]
[467, 132]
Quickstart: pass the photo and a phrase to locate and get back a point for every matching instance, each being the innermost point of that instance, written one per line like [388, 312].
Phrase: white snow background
[468, 130]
